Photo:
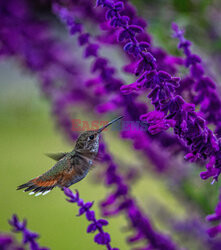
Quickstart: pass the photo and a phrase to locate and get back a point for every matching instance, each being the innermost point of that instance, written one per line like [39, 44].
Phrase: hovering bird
[71, 167]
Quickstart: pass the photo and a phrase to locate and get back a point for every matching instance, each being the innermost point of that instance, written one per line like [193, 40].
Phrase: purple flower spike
[187, 124]
[122, 201]
[101, 237]
[205, 87]
[28, 236]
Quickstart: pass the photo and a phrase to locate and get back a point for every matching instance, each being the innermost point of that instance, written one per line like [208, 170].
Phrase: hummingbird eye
[91, 137]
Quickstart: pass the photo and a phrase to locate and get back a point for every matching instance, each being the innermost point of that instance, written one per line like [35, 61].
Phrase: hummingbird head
[88, 141]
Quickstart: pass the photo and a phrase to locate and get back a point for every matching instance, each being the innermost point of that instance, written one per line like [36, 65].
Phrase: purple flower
[128, 89]
[99, 64]
[129, 32]
[146, 63]
[156, 122]
[91, 50]
[101, 237]
[83, 39]
[212, 232]
[7, 242]
[28, 236]
[84, 208]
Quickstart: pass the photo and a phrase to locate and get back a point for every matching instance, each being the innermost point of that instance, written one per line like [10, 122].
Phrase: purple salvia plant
[99, 64]
[206, 95]
[29, 238]
[110, 35]
[101, 238]
[165, 62]
[107, 84]
[171, 109]
[121, 201]
[205, 88]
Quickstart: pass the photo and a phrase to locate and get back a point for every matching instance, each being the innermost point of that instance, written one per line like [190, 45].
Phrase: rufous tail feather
[38, 186]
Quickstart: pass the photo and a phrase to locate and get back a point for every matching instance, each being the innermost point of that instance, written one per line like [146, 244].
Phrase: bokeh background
[28, 131]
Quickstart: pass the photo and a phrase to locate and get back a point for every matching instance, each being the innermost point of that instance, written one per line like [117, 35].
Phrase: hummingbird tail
[38, 186]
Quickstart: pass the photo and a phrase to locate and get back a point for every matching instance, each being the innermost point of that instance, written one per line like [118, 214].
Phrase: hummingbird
[71, 167]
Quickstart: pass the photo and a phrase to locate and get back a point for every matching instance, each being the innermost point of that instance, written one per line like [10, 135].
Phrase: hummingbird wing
[77, 170]
[56, 156]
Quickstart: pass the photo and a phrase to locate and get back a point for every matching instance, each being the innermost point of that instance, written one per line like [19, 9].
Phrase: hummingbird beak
[109, 123]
